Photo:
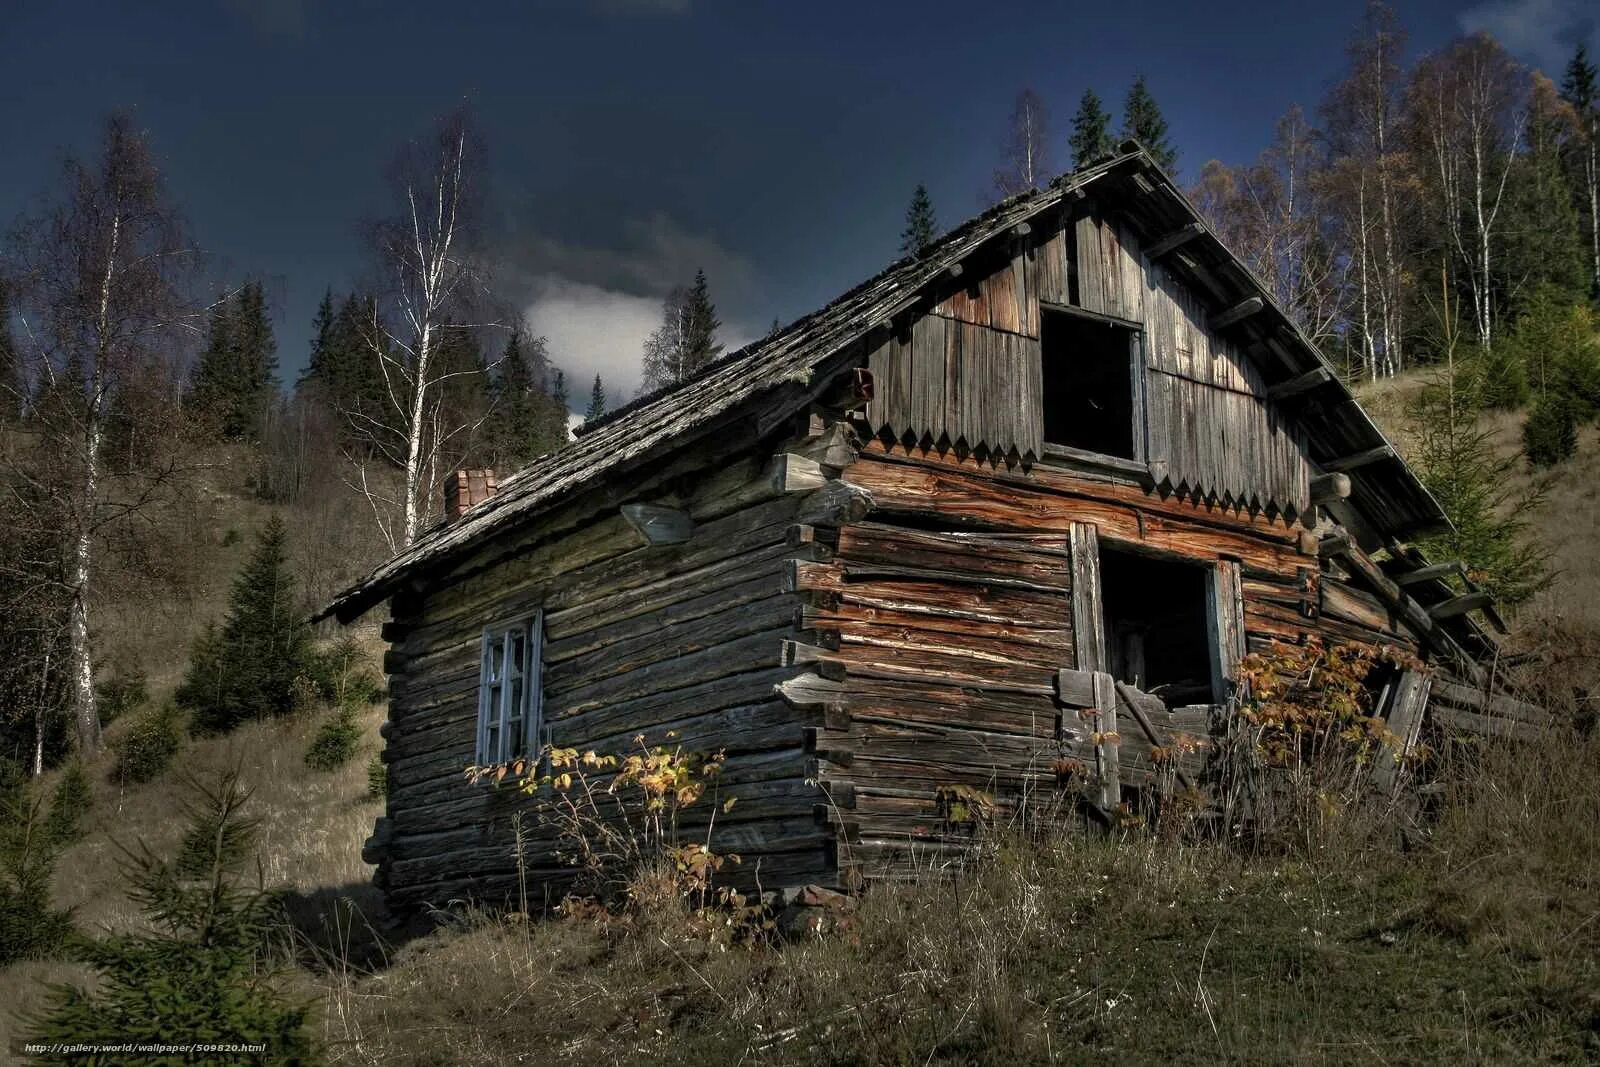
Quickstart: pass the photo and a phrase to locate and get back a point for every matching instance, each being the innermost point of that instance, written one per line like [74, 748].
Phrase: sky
[632, 142]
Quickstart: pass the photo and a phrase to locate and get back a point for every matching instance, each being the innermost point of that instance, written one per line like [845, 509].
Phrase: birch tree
[1361, 120]
[1468, 112]
[100, 309]
[433, 278]
[1025, 150]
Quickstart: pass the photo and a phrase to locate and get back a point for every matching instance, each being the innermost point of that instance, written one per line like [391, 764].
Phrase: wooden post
[1088, 617]
[1225, 627]
[1105, 749]
[1405, 722]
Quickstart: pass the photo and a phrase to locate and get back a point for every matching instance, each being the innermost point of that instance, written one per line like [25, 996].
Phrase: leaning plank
[1405, 723]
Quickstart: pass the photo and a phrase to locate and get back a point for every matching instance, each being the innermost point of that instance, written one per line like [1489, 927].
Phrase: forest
[176, 506]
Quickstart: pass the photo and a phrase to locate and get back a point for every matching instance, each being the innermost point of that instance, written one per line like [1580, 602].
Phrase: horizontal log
[1326, 488]
[1300, 383]
[1496, 703]
[1453, 569]
[1460, 605]
[1176, 239]
[659, 525]
[1237, 313]
[1359, 459]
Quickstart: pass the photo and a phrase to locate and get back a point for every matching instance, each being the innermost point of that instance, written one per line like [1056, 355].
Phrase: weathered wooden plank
[1405, 723]
[1088, 615]
[1225, 623]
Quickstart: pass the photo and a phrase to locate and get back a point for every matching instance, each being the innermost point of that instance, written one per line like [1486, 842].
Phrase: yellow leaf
[727, 805]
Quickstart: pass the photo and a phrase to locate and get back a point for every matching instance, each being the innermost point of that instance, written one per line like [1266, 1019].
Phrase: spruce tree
[1580, 89]
[921, 226]
[597, 401]
[247, 669]
[702, 346]
[204, 969]
[1091, 130]
[512, 427]
[235, 380]
[1142, 120]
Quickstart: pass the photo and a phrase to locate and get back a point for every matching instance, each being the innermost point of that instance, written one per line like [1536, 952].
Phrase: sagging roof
[1385, 491]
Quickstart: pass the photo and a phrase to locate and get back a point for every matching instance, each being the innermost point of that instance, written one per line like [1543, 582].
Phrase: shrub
[377, 777]
[203, 972]
[336, 741]
[29, 927]
[150, 744]
[1550, 434]
[69, 805]
[343, 675]
[246, 669]
[1497, 377]
[121, 694]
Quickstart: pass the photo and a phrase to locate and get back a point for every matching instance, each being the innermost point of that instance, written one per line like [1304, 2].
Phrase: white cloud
[1541, 32]
[592, 331]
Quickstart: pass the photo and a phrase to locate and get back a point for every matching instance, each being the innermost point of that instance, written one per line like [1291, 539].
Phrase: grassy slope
[1480, 946]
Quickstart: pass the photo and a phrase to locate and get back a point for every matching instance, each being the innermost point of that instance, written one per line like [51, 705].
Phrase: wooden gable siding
[645, 640]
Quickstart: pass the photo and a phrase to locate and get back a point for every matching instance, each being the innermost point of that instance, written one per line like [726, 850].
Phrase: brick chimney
[466, 488]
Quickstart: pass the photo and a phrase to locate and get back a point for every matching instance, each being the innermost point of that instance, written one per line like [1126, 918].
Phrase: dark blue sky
[773, 144]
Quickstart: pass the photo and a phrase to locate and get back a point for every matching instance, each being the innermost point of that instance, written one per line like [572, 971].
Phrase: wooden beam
[659, 525]
[1301, 383]
[794, 473]
[1460, 605]
[1326, 487]
[1359, 459]
[1240, 311]
[954, 270]
[1088, 618]
[1181, 236]
[1021, 229]
[1405, 723]
[1143, 184]
[1428, 574]
[1131, 697]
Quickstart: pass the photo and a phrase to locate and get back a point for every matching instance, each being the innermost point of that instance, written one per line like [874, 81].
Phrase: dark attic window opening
[1156, 629]
[1088, 383]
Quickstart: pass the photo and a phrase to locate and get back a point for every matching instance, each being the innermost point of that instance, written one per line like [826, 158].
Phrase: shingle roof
[651, 425]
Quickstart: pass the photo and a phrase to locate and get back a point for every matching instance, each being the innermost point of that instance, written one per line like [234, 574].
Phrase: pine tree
[204, 970]
[686, 340]
[921, 226]
[597, 401]
[1142, 120]
[235, 380]
[247, 669]
[1579, 89]
[1091, 130]
[341, 375]
[1543, 242]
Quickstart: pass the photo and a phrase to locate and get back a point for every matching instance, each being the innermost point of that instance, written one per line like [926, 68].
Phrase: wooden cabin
[1071, 460]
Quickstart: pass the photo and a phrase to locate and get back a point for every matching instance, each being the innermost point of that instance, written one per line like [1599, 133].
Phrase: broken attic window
[1088, 383]
[1156, 629]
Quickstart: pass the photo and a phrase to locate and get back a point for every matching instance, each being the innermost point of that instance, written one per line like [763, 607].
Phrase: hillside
[1479, 941]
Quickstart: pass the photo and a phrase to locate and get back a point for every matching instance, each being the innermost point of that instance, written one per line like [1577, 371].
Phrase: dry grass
[311, 829]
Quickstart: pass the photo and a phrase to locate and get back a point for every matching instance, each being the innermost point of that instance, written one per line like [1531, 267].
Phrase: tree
[1142, 120]
[342, 377]
[428, 250]
[597, 401]
[1272, 214]
[1024, 152]
[1367, 184]
[1468, 113]
[921, 226]
[1091, 130]
[203, 969]
[98, 275]
[526, 421]
[1541, 243]
[1578, 88]
[686, 339]
[247, 668]
[235, 381]
[12, 390]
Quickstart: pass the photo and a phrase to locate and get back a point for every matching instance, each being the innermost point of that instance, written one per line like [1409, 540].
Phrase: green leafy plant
[342, 673]
[336, 741]
[203, 972]
[70, 804]
[1550, 434]
[30, 928]
[246, 669]
[377, 777]
[149, 746]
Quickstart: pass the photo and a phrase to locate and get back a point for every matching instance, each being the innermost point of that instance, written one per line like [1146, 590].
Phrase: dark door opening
[1088, 383]
[1156, 625]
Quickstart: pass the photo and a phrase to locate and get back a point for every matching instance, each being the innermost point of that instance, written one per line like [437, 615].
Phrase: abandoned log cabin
[1060, 472]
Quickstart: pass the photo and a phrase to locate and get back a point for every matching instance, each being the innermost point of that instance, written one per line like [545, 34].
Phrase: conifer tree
[1579, 88]
[203, 970]
[11, 387]
[235, 380]
[1091, 130]
[921, 226]
[341, 374]
[1143, 121]
[247, 668]
[686, 340]
[597, 401]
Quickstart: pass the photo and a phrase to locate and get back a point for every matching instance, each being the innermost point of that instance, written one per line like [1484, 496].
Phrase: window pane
[491, 748]
[519, 651]
[496, 659]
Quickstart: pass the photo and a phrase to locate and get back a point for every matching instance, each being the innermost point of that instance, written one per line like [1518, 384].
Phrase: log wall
[686, 639]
